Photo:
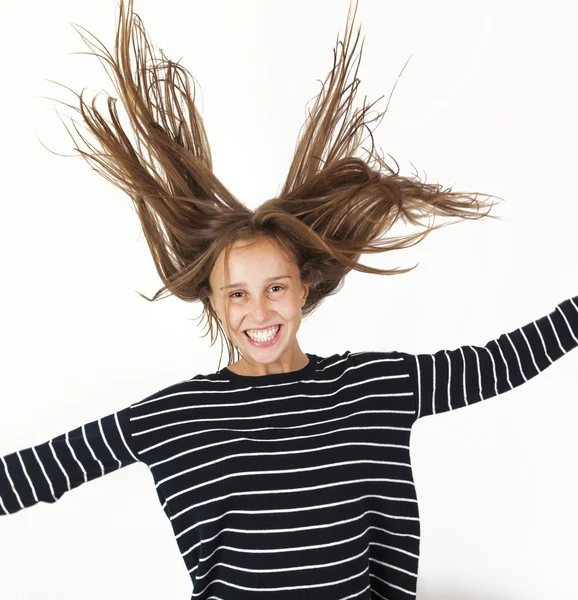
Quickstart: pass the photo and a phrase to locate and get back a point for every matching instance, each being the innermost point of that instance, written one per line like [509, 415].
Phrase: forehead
[259, 259]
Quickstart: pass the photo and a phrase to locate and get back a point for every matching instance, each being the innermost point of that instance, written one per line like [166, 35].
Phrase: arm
[450, 379]
[43, 473]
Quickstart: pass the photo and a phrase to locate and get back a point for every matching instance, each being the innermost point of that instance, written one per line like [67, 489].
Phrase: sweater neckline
[275, 377]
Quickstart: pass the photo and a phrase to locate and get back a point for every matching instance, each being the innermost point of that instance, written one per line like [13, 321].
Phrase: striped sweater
[293, 485]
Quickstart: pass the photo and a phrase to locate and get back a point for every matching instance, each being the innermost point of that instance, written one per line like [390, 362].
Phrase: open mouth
[266, 343]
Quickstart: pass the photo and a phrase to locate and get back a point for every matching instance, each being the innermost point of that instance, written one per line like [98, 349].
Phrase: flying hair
[333, 207]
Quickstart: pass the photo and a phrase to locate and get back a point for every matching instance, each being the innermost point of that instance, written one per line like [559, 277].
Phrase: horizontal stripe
[291, 485]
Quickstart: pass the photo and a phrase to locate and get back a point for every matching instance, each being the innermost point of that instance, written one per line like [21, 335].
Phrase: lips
[271, 342]
[261, 328]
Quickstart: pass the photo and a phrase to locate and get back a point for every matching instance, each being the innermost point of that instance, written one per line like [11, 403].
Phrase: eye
[273, 286]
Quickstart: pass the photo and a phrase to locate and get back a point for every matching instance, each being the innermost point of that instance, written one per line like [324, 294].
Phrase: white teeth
[263, 336]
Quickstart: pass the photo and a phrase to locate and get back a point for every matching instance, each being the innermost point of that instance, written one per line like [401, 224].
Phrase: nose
[260, 311]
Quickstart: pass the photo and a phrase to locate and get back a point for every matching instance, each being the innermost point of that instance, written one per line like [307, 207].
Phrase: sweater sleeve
[43, 473]
[450, 379]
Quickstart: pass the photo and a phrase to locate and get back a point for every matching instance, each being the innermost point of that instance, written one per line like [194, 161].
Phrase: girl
[284, 474]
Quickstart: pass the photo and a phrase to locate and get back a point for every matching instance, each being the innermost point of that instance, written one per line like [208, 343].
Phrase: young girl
[284, 474]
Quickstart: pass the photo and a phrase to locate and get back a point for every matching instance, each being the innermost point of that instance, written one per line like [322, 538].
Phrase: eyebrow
[242, 283]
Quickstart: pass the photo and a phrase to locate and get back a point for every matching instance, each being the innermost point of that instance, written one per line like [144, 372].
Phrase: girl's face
[264, 291]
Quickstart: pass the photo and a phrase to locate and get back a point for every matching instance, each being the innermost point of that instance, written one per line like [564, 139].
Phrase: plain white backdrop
[487, 103]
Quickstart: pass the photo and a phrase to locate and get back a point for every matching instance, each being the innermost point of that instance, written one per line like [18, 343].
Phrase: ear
[212, 301]
[305, 288]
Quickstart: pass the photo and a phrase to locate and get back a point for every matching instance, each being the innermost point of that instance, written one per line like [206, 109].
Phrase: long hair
[333, 206]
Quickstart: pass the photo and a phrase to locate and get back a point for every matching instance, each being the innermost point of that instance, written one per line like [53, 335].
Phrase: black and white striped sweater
[294, 485]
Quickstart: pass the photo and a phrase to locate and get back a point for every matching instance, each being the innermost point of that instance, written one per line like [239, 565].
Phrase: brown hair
[333, 206]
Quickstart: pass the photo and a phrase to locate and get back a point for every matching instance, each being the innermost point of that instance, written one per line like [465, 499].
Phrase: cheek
[291, 309]
[236, 314]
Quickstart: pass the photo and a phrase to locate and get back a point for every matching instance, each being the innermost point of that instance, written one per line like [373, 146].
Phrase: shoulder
[364, 363]
[174, 393]
[377, 359]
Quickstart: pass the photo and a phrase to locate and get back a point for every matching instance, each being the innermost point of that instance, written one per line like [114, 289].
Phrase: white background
[487, 103]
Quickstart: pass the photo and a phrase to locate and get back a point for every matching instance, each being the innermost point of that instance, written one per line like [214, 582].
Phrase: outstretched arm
[451, 379]
[43, 473]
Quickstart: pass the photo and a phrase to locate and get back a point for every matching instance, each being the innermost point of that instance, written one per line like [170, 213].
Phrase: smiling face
[265, 290]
